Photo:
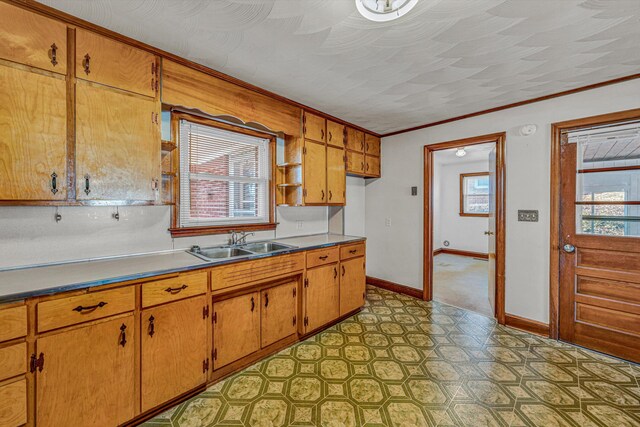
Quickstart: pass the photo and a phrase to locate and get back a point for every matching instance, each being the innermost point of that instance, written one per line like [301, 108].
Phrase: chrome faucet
[239, 238]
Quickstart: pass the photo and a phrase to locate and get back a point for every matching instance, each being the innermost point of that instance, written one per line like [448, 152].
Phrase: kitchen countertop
[18, 284]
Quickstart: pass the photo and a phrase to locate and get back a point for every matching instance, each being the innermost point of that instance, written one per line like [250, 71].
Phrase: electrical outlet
[387, 222]
[299, 225]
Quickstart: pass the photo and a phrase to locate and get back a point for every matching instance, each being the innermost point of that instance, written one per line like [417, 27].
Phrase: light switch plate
[528, 216]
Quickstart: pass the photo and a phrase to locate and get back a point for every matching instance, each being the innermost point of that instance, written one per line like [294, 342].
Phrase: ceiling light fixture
[461, 152]
[384, 10]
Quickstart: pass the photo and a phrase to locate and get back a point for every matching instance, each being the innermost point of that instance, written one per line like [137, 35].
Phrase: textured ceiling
[444, 59]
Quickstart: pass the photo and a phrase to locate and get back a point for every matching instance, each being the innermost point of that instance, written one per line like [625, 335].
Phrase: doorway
[595, 233]
[487, 272]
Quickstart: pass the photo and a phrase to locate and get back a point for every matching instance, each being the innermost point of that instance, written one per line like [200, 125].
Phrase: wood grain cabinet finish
[336, 176]
[87, 375]
[278, 312]
[33, 139]
[14, 322]
[323, 256]
[315, 173]
[13, 404]
[314, 127]
[108, 62]
[372, 166]
[322, 296]
[13, 361]
[355, 140]
[117, 145]
[174, 288]
[236, 328]
[242, 274]
[336, 134]
[355, 163]
[352, 284]
[371, 145]
[31, 39]
[174, 350]
[352, 251]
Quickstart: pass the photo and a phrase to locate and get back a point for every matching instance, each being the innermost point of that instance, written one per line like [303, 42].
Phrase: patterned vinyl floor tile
[403, 362]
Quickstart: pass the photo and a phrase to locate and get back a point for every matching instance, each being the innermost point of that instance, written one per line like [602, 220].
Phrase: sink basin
[265, 247]
[221, 253]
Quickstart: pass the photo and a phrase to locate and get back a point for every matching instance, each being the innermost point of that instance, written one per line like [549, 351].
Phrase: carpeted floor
[462, 281]
[406, 362]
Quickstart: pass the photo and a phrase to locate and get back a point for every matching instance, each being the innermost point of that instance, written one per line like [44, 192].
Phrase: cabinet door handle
[361, 145]
[321, 133]
[361, 165]
[54, 54]
[152, 327]
[266, 298]
[54, 183]
[330, 195]
[322, 194]
[87, 184]
[89, 308]
[335, 272]
[176, 290]
[343, 271]
[330, 136]
[323, 257]
[367, 150]
[367, 166]
[253, 304]
[123, 335]
[87, 64]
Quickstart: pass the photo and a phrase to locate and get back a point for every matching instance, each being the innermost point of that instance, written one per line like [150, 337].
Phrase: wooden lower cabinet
[87, 375]
[278, 312]
[236, 328]
[174, 350]
[13, 404]
[352, 284]
[322, 296]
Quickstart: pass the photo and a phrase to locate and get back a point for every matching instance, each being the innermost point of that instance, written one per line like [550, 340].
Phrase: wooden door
[117, 145]
[322, 296]
[315, 173]
[314, 127]
[174, 350]
[88, 375]
[372, 166]
[278, 312]
[335, 134]
[355, 163]
[33, 139]
[13, 404]
[32, 39]
[355, 140]
[371, 145]
[109, 62]
[336, 176]
[236, 328]
[352, 284]
[491, 231]
[600, 239]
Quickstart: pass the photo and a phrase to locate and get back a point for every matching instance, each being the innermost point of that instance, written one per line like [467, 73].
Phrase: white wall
[464, 233]
[354, 211]
[395, 252]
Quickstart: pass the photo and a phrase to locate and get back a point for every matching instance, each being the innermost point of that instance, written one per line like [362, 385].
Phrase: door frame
[500, 140]
[557, 130]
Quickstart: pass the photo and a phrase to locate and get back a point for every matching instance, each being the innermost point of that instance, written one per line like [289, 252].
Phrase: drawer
[174, 288]
[250, 272]
[323, 256]
[13, 361]
[14, 323]
[352, 251]
[62, 312]
[13, 404]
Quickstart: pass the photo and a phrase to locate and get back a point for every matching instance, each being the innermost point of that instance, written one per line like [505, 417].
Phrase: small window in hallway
[474, 194]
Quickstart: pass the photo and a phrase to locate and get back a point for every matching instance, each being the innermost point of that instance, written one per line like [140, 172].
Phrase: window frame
[178, 231]
[462, 178]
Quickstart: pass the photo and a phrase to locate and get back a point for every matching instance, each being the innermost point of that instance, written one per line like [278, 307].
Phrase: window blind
[224, 177]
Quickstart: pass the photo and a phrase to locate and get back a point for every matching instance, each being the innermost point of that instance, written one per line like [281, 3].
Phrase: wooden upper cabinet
[174, 350]
[236, 328]
[355, 140]
[322, 296]
[87, 376]
[335, 134]
[33, 137]
[32, 39]
[372, 166]
[355, 163]
[108, 62]
[336, 176]
[117, 145]
[314, 127]
[315, 173]
[278, 312]
[371, 145]
[352, 284]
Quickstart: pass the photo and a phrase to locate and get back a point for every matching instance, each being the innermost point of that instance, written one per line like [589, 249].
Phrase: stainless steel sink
[227, 252]
[220, 253]
[265, 247]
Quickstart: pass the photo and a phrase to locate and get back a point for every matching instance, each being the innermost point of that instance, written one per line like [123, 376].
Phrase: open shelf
[168, 146]
[289, 165]
[290, 184]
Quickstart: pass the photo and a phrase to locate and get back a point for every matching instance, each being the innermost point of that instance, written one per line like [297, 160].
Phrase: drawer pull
[123, 335]
[90, 308]
[324, 257]
[177, 290]
[353, 251]
[152, 326]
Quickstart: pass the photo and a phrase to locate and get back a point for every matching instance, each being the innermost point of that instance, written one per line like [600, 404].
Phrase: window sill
[220, 229]
[472, 214]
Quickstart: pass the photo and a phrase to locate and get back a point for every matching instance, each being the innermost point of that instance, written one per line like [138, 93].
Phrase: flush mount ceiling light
[461, 152]
[384, 10]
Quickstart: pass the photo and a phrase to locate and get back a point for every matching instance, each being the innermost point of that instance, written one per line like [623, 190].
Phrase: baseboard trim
[461, 253]
[528, 325]
[395, 287]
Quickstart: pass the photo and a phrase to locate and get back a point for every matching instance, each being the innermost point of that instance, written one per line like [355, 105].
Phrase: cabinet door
[355, 140]
[278, 312]
[315, 173]
[117, 145]
[371, 145]
[322, 296]
[13, 404]
[88, 375]
[336, 176]
[236, 328]
[174, 350]
[314, 127]
[33, 137]
[106, 61]
[372, 166]
[355, 163]
[335, 134]
[32, 39]
[352, 284]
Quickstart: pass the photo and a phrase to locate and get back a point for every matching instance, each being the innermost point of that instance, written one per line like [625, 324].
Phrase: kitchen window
[225, 179]
[474, 194]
